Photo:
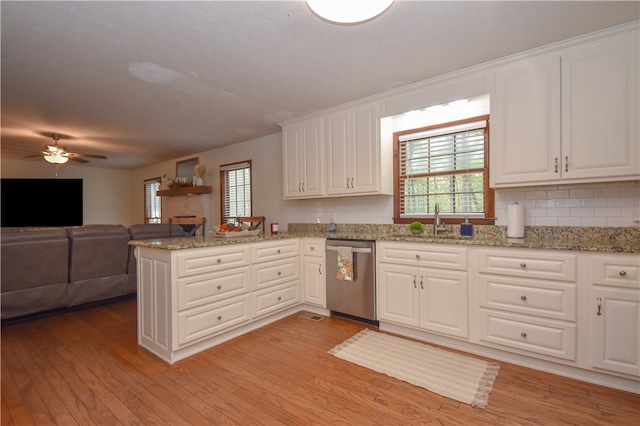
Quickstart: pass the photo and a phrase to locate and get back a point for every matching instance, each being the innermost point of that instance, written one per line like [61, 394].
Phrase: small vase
[199, 181]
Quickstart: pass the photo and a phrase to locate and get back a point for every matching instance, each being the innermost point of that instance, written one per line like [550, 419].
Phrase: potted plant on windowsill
[416, 228]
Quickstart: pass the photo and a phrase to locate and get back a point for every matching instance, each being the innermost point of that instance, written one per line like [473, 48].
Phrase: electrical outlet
[635, 217]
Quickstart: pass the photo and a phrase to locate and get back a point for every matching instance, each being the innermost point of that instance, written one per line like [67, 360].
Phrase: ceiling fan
[56, 154]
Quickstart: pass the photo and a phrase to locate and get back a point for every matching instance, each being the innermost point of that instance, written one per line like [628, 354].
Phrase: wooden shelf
[187, 190]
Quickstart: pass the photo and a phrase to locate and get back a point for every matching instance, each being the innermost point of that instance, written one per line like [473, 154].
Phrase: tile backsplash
[604, 204]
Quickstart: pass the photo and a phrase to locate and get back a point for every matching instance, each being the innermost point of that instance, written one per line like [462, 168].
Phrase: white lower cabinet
[528, 301]
[313, 270]
[574, 313]
[615, 313]
[192, 299]
[429, 298]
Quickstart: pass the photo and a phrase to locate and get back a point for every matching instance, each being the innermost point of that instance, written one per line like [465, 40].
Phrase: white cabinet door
[444, 306]
[600, 109]
[525, 122]
[398, 297]
[354, 151]
[314, 282]
[303, 165]
[569, 117]
[616, 330]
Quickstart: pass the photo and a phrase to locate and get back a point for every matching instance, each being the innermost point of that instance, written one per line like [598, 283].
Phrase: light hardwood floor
[86, 368]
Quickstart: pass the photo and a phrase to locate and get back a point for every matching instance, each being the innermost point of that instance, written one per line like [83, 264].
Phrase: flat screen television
[41, 202]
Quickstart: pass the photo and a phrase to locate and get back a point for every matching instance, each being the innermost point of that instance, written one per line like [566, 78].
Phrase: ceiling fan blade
[78, 160]
[76, 154]
[32, 156]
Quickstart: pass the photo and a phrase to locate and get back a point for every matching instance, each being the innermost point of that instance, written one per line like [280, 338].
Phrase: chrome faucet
[438, 225]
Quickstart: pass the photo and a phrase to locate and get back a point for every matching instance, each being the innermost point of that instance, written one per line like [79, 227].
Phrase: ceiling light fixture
[56, 158]
[348, 11]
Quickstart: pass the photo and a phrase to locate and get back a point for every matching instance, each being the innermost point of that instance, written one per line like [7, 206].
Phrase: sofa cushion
[98, 251]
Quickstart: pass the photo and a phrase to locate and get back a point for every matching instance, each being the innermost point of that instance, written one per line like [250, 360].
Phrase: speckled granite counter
[594, 239]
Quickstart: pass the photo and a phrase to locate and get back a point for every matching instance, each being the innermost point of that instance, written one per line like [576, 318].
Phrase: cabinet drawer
[526, 263]
[205, 321]
[263, 252]
[424, 255]
[616, 270]
[206, 288]
[313, 246]
[200, 261]
[543, 298]
[274, 299]
[272, 273]
[544, 337]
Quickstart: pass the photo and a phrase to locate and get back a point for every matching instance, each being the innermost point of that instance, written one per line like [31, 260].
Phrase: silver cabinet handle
[219, 287]
[278, 251]
[279, 298]
[279, 273]
[320, 269]
[523, 334]
[352, 184]
[599, 299]
[219, 317]
[421, 282]
[299, 187]
[523, 298]
[418, 256]
[347, 183]
[623, 273]
[566, 164]
[523, 265]
[302, 186]
[414, 282]
[219, 260]
[556, 163]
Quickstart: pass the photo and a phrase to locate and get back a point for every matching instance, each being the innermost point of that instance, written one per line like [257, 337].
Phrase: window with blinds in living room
[445, 164]
[235, 190]
[152, 202]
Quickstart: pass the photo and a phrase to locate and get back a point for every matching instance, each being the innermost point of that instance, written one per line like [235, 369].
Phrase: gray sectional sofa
[49, 269]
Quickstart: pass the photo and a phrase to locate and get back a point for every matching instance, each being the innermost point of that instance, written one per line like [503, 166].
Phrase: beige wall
[106, 192]
[266, 156]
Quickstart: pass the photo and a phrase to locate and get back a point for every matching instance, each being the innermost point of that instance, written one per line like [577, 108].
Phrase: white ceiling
[145, 82]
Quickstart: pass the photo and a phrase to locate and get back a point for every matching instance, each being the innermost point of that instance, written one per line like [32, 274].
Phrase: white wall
[106, 192]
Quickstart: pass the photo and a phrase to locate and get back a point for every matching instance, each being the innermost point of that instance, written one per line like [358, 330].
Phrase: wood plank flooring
[85, 368]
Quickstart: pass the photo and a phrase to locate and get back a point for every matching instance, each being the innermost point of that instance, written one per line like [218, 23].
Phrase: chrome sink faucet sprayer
[438, 225]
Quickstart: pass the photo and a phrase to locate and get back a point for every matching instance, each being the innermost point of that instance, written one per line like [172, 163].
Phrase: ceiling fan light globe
[56, 159]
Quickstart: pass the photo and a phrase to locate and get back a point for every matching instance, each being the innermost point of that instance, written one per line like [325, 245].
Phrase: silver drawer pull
[219, 260]
[278, 251]
[279, 298]
[599, 299]
[523, 297]
[219, 317]
[623, 273]
[523, 265]
[279, 273]
[418, 256]
[219, 287]
[523, 334]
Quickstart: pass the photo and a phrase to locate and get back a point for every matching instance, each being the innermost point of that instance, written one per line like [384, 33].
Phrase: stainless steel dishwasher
[355, 298]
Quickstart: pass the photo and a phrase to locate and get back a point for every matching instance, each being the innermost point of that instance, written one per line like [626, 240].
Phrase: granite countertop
[607, 240]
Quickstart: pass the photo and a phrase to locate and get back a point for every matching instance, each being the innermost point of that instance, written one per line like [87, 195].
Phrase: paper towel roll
[515, 221]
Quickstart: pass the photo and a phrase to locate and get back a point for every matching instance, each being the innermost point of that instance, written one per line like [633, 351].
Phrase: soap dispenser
[466, 228]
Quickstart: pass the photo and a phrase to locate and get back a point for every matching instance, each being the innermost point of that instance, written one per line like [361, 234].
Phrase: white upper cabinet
[568, 117]
[354, 152]
[357, 162]
[303, 159]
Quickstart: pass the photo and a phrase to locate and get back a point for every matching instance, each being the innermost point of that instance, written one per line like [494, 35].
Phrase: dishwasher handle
[353, 249]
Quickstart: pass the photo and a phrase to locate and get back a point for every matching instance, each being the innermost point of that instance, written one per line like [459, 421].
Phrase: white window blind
[152, 203]
[235, 193]
[444, 165]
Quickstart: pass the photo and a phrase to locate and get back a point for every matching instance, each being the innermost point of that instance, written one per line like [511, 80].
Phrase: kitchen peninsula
[562, 300]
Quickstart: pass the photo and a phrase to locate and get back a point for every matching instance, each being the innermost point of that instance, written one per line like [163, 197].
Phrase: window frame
[489, 193]
[224, 190]
[147, 209]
